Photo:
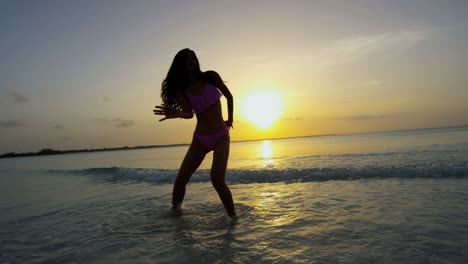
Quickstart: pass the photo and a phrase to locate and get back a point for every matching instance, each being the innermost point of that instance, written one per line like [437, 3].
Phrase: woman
[186, 90]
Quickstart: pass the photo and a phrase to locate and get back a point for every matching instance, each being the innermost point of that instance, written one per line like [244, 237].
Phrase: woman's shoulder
[210, 72]
[212, 77]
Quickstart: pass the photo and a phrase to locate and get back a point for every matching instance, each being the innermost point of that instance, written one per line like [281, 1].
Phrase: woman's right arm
[171, 112]
[186, 112]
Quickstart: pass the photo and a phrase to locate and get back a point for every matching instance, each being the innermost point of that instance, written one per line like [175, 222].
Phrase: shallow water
[362, 221]
[395, 197]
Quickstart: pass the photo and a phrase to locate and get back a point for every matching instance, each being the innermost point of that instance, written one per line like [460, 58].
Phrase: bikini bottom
[210, 140]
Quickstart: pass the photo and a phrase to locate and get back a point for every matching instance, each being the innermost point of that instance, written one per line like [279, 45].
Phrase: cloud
[121, 123]
[57, 127]
[19, 98]
[106, 99]
[65, 138]
[292, 118]
[364, 45]
[125, 123]
[11, 123]
[362, 117]
[368, 83]
[373, 83]
[345, 50]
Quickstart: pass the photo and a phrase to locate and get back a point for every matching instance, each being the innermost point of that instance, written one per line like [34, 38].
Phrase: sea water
[389, 197]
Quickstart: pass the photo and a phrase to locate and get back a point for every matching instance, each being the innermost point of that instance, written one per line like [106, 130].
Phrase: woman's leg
[218, 173]
[194, 157]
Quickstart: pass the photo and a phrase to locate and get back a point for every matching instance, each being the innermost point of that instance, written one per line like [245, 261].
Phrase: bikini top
[200, 103]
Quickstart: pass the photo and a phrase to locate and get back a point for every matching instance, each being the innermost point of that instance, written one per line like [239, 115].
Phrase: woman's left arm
[216, 80]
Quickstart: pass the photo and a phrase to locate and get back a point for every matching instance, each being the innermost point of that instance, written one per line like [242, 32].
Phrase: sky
[87, 74]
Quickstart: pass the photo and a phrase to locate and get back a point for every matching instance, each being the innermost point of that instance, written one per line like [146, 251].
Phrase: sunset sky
[87, 74]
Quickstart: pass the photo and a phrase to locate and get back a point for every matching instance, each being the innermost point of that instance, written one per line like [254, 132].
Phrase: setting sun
[262, 108]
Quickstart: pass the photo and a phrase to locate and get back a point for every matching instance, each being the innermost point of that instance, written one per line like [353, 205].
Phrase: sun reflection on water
[266, 149]
[266, 152]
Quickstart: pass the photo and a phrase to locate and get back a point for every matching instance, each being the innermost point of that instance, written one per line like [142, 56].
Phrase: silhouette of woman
[185, 90]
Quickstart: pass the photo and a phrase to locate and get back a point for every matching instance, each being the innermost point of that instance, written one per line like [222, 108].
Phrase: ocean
[386, 197]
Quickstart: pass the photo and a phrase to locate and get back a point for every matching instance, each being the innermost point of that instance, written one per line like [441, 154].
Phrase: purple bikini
[200, 104]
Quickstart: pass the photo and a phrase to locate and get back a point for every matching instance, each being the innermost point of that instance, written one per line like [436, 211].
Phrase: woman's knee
[218, 183]
[182, 178]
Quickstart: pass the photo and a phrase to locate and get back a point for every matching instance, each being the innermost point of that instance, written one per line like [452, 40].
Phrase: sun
[262, 108]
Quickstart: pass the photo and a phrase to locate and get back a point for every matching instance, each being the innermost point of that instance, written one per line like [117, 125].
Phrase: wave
[246, 176]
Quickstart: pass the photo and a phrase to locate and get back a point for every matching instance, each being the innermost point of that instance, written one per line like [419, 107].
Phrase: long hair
[177, 79]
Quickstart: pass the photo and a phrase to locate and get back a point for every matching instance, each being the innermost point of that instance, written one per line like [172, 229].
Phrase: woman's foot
[177, 206]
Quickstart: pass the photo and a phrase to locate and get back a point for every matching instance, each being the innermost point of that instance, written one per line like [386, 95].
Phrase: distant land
[49, 151]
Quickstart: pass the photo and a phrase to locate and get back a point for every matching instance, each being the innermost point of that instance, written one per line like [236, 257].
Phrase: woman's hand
[167, 111]
[228, 123]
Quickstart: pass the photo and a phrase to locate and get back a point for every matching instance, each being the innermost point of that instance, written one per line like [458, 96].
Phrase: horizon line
[71, 151]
